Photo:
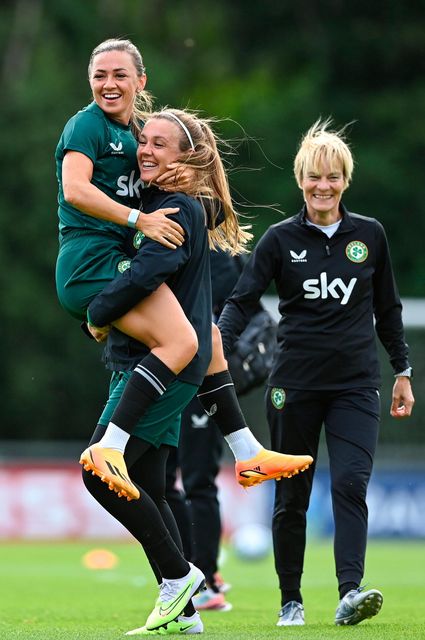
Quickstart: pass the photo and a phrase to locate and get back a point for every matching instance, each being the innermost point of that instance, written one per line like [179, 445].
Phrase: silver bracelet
[133, 217]
[407, 373]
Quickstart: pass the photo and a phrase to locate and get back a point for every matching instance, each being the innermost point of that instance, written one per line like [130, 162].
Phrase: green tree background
[271, 67]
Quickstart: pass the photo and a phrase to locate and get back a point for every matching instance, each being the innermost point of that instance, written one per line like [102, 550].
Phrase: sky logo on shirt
[128, 186]
[321, 288]
[301, 257]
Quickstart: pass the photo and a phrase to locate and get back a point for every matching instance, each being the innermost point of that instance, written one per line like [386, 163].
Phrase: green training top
[111, 147]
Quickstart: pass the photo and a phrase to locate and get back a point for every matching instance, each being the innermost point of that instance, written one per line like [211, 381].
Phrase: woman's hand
[100, 334]
[179, 177]
[403, 400]
[157, 226]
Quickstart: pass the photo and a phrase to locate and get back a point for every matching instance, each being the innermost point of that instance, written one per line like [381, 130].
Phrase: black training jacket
[330, 292]
[186, 270]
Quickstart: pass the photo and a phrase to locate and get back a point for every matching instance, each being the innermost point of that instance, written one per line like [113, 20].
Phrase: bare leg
[218, 361]
[159, 322]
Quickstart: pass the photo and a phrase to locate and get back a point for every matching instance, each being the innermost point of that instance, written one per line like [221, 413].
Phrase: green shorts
[161, 422]
[86, 263]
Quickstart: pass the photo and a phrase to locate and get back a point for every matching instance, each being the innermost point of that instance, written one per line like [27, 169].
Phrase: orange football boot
[109, 465]
[269, 465]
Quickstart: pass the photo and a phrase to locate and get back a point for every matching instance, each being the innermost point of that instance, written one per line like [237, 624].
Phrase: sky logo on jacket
[320, 288]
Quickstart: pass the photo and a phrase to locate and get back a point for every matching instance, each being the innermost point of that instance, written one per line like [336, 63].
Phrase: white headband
[183, 126]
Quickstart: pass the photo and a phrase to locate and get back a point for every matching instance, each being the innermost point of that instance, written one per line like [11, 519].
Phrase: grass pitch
[47, 593]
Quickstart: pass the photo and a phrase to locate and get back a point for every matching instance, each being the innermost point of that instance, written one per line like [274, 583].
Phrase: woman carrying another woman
[168, 135]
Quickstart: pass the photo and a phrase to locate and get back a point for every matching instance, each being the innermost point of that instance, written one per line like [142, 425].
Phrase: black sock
[218, 397]
[346, 587]
[189, 609]
[290, 596]
[144, 521]
[146, 384]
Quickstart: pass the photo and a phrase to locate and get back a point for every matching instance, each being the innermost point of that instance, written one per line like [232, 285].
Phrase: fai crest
[278, 397]
[137, 240]
[356, 251]
[124, 265]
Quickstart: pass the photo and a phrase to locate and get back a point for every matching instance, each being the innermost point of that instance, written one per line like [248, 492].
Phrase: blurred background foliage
[271, 69]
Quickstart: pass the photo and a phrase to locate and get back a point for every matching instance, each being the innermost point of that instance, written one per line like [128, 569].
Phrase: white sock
[243, 443]
[114, 438]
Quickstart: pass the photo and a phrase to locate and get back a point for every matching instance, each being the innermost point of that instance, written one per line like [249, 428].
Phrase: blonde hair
[143, 99]
[322, 145]
[200, 151]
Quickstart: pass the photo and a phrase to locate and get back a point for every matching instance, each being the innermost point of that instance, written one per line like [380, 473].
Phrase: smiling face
[159, 145]
[322, 188]
[114, 83]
